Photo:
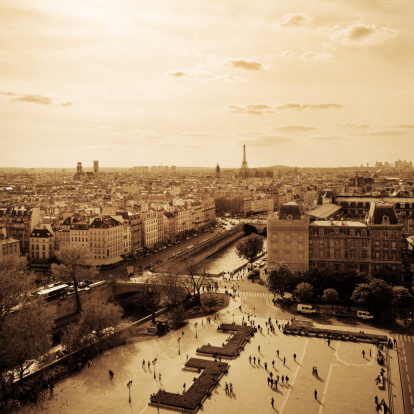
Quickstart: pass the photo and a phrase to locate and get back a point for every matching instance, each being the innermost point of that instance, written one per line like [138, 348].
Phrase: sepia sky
[188, 82]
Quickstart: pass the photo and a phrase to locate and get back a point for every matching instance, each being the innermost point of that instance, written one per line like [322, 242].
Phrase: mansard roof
[290, 209]
[382, 212]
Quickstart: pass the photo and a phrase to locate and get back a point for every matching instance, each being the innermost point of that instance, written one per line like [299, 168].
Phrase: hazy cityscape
[206, 207]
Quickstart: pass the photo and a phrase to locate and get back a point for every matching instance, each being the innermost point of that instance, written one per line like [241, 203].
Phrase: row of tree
[344, 288]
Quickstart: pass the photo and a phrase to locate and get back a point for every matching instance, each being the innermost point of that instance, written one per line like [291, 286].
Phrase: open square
[345, 380]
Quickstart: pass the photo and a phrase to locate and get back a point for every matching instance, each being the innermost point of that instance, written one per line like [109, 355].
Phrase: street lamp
[233, 317]
[153, 363]
[129, 389]
[196, 324]
[179, 340]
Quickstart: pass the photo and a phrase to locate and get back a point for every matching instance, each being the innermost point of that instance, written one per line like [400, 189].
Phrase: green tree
[96, 316]
[250, 247]
[74, 266]
[173, 286]
[15, 283]
[402, 299]
[330, 296]
[376, 295]
[25, 336]
[303, 292]
[279, 279]
[195, 274]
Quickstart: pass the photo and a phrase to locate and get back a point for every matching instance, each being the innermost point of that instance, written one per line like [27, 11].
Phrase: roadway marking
[409, 388]
[405, 359]
[296, 374]
[408, 377]
[411, 398]
[325, 390]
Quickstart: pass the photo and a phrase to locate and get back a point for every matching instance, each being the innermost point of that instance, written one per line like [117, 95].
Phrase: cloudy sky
[188, 82]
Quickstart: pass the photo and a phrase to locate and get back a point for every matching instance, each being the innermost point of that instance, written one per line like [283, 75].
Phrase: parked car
[301, 308]
[364, 315]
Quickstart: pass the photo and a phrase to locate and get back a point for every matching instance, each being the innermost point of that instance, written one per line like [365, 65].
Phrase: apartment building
[149, 231]
[9, 247]
[106, 239]
[288, 238]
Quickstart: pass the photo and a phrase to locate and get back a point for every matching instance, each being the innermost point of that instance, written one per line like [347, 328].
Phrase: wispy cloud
[362, 34]
[294, 19]
[302, 107]
[328, 138]
[296, 128]
[37, 99]
[200, 75]
[32, 98]
[269, 140]
[286, 54]
[246, 64]
[253, 109]
[317, 56]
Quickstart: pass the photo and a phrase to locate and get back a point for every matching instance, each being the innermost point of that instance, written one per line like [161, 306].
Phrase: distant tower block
[79, 167]
[96, 167]
[217, 170]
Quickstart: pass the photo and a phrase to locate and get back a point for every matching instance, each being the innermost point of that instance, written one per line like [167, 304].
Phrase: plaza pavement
[345, 382]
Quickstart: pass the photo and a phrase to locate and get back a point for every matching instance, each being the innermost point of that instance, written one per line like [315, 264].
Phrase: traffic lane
[406, 355]
[119, 271]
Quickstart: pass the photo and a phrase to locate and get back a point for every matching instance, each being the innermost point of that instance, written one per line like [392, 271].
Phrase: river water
[225, 260]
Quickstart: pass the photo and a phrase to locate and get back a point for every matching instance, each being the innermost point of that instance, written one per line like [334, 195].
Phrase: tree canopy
[250, 247]
[279, 279]
[330, 296]
[376, 295]
[96, 316]
[74, 266]
[15, 282]
[25, 336]
[303, 292]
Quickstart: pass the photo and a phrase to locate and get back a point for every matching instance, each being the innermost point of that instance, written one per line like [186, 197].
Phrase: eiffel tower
[244, 170]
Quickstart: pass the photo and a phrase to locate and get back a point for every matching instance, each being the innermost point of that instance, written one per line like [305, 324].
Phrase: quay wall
[203, 250]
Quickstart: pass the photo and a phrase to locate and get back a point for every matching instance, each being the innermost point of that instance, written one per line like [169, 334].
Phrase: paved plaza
[345, 381]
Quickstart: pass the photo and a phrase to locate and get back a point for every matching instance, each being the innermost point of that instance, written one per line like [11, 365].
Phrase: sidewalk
[345, 382]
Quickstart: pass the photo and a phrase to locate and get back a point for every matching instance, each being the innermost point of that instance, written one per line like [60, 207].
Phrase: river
[225, 260]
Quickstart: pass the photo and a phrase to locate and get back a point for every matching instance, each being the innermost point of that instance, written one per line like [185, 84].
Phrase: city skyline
[189, 83]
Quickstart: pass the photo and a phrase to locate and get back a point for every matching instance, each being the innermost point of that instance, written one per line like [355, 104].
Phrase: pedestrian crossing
[254, 294]
[405, 338]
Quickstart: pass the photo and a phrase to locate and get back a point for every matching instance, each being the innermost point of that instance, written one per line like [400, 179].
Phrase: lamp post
[153, 363]
[179, 340]
[196, 324]
[233, 317]
[129, 390]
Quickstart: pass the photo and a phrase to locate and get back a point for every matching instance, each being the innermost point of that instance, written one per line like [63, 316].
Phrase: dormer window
[385, 220]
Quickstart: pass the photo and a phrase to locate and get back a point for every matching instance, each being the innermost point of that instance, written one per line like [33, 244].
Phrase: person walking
[265, 365]
[111, 374]
[294, 357]
[272, 402]
[287, 380]
[277, 352]
[273, 363]
[284, 360]
[283, 379]
[329, 342]
[143, 362]
[254, 360]
[316, 394]
[149, 364]
[258, 348]
[258, 360]
[231, 388]
[250, 358]
[159, 377]
[363, 354]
